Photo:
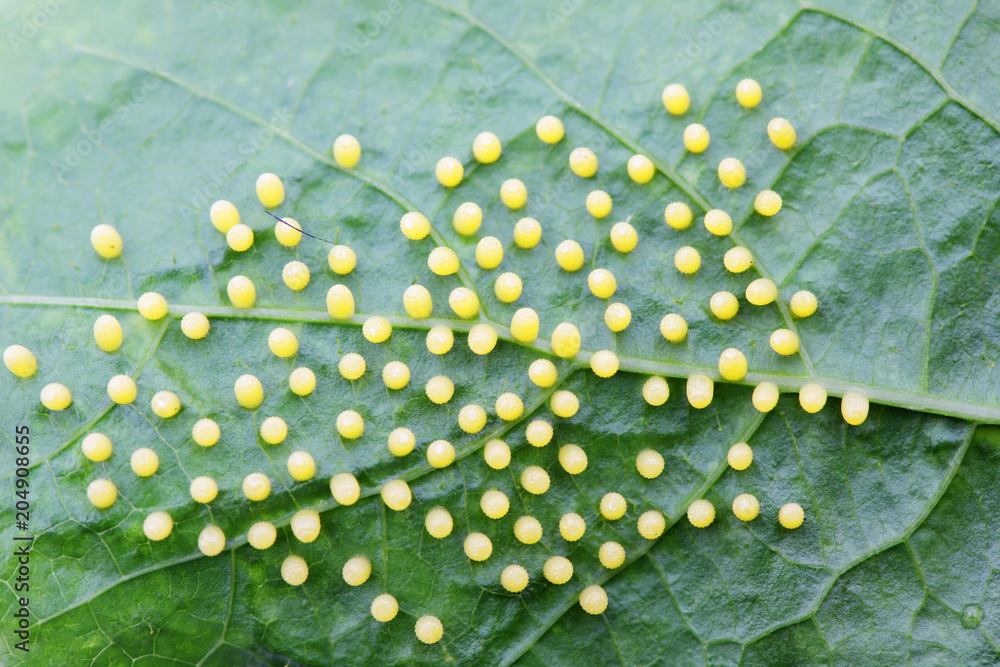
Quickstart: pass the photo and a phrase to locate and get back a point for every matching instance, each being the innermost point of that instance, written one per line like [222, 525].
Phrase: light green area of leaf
[141, 115]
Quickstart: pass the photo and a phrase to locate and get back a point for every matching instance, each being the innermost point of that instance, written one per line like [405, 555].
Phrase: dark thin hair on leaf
[299, 228]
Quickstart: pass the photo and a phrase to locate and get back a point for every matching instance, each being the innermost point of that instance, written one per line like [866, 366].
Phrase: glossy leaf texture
[141, 115]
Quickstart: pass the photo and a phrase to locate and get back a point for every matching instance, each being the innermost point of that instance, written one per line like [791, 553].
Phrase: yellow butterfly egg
[270, 190]
[558, 570]
[384, 608]
[417, 302]
[211, 540]
[356, 570]
[345, 489]
[602, 283]
[569, 255]
[594, 600]
[542, 373]
[564, 404]
[439, 389]
[439, 523]
[651, 524]
[478, 547]
[700, 390]
[583, 162]
[203, 489]
[761, 292]
[746, 507]
[376, 329]
[565, 340]
[676, 99]
[340, 302]
[767, 202]
[494, 504]
[152, 306]
[224, 215]
[748, 93]
[429, 629]
[239, 237]
[122, 389]
[397, 495]
[261, 535]
[791, 516]
[482, 339]
[443, 261]
[144, 462]
[346, 151]
[724, 305]
[538, 433]
[812, 397]
[624, 238]
[20, 361]
[678, 215]
[613, 506]
[550, 129]
[674, 327]
[701, 513]
[56, 396]
[341, 259]
[655, 390]
[256, 486]
[96, 447]
[611, 555]
[158, 526]
[108, 333]
[696, 138]
[514, 578]
[294, 570]
[527, 233]
[350, 424]
[599, 204]
[854, 407]
[535, 480]
[740, 456]
[496, 453]
[402, 441]
[524, 325]
[573, 459]
[472, 418]
[738, 259]
[440, 454]
[572, 527]
[489, 252]
[414, 225]
[781, 133]
[241, 292]
[513, 193]
[784, 341]
[732, 174]
[732, 365]
[486, 147]
[440, 340]
[641, 169]
[467, 219]
[165, 404]
[205, 432]
[249, 391]
[449, 172]
[464, 302]
[195, 325]
[649, 463]
[295, 275]
[765, 396]
[718, 222]
[273, 430]
[508, 287]
[352, 366]
[102, 493]
[604, 363]
[804, 303]
[509, 406]
[617, 317]
[106, 241]
[527, 530]
[283, 343]
[687, 260]
[288, 232]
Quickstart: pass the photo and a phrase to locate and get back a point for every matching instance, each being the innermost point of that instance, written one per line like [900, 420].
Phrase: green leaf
[142, 118]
